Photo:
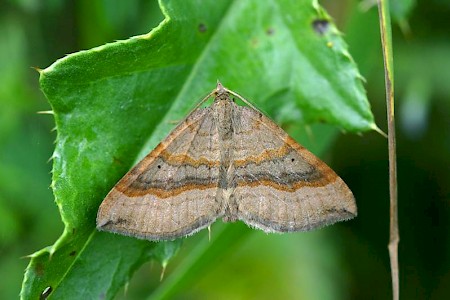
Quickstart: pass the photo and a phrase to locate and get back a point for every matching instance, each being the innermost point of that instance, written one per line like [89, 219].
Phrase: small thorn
[39, 70]
[310, 134]
[375, 127]
[125, 290]
[45, 112]
[173, 122]
[46, 292]
[163, 271]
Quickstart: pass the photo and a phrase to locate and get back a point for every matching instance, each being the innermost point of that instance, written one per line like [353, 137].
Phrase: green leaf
[114, 103]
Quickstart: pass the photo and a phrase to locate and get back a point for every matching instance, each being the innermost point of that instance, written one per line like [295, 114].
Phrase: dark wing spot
[292, 159]
[159, 166]
[121, 221]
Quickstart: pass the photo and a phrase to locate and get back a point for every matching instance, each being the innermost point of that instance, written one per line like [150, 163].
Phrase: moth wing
[279, 185]
[172, 192]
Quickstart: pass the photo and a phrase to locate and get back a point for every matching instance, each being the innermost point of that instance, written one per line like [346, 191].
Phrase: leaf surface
[114, 103]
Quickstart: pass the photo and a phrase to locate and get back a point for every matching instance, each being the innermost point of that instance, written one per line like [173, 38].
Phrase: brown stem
[388, 71]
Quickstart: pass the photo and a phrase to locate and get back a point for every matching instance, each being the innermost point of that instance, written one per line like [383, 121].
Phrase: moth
[231, 162]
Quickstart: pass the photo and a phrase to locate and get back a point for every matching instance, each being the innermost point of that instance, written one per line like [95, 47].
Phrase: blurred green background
[346, 261]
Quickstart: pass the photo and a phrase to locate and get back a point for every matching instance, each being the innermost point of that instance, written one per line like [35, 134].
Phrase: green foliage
[238, 262]
[112, 104]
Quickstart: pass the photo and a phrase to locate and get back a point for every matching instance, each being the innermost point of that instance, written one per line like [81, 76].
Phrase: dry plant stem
[388, 68]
